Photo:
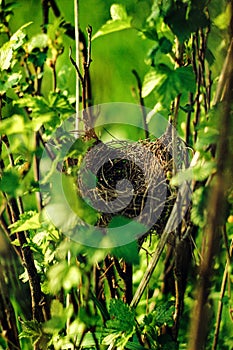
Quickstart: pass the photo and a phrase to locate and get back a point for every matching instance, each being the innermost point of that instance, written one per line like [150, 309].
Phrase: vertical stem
[76, 24]
[217, 204]
[220, 303]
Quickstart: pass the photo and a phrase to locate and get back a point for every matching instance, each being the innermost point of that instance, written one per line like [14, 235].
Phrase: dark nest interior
[132, 180]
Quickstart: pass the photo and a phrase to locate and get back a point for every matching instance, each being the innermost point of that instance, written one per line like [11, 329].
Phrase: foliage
[59, 294]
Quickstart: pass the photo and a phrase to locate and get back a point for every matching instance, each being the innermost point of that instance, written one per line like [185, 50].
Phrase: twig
[45, 12]
[76, 67]
[55, 8]
[76, 23]
[188, 121]
[142, 104]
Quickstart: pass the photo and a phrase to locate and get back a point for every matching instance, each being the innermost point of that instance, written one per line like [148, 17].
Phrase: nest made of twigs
[131, 180]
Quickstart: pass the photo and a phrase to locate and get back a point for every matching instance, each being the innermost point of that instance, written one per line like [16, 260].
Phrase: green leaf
[151, 33]
[118, 12]
[164, 314]
[134, 346]
[6, 54]
[9, 81]
[151, 80]
[223, 19]
[168, 82]
[62, 275]
[30, 224]
[206, 136]
[128, 252]
[15, 42]
[76, 203]
[59, 316]
[18, 37]
[121, 316]
[198, 212]
[10, 182]
[121, 325]
[120, 21]
[38, 41]
[165, 45]
[12, 125]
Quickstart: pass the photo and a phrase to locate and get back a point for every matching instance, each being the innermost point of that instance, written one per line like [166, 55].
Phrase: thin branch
[76, 23]
[76, 67]
[188, 121]
[142, 104]
[55, 8]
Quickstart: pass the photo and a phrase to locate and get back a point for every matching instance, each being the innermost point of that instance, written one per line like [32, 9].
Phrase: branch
[139, 83]
[76, 67]
[217, 204]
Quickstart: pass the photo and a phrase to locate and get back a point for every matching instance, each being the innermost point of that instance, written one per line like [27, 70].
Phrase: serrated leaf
[164, 314]
[174, 82]
[121, 316]
[121, 325]
[120, 21]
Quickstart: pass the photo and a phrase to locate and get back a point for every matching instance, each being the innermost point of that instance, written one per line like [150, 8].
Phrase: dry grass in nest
[131, 180]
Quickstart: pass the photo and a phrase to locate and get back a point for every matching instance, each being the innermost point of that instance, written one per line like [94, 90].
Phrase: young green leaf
[151, 80]
[120, 21]
[29, 224]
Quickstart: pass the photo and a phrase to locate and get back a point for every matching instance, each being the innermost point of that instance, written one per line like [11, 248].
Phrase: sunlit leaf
[168, 82]
[30, 224]
[120, 21]
[151, 80]
[38, 41]
[7, 82]
[6, 54]
[6, 51]
[13, 125]
[223, 19]
[118, 12]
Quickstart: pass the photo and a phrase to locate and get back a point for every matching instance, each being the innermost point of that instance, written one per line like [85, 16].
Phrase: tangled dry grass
[132, 180]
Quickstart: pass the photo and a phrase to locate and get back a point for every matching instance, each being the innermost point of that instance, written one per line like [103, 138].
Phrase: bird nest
[132, 180]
